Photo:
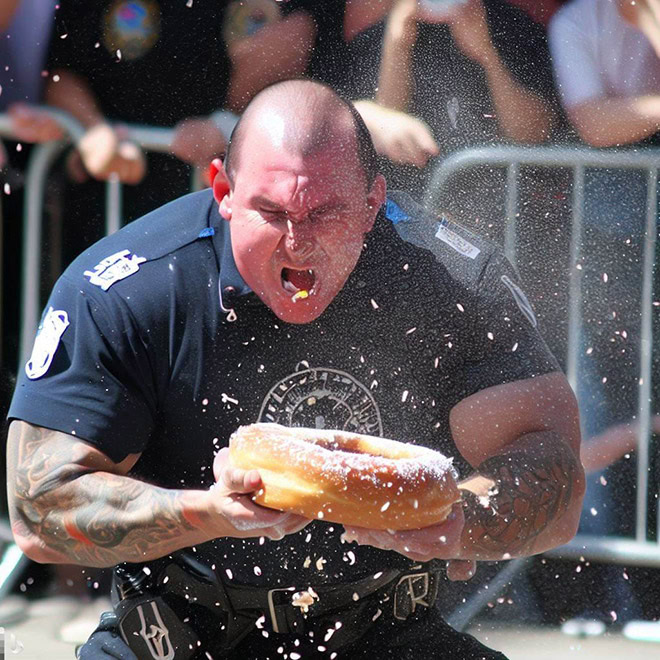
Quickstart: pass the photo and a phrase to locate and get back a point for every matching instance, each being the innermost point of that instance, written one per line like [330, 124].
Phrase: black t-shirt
[137, 354]
[147, 61]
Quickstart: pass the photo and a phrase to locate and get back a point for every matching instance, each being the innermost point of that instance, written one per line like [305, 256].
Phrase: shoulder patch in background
[454, 240]
[114, 268]
[521, 299]
[46, 342]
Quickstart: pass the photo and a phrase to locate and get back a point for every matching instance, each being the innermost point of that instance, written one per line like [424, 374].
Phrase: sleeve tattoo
[534, 485]
[89, 517]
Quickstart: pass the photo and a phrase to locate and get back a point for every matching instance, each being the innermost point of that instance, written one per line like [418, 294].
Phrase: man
[163, 338]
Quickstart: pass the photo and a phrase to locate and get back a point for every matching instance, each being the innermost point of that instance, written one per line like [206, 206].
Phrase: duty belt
[147, 615]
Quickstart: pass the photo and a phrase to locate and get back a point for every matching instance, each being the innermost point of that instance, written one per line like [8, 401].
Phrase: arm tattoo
[534, 484]
[90, 516]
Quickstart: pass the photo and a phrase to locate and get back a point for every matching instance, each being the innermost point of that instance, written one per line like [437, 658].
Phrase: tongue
[301, 279]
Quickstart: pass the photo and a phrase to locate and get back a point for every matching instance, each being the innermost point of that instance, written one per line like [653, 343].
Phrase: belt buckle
[412, 590]
[273, 612]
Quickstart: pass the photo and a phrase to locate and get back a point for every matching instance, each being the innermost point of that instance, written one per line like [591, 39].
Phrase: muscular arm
[69, 503]
[526, 494]
[606, 122]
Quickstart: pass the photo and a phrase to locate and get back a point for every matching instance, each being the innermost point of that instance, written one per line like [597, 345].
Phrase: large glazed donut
[347, 478]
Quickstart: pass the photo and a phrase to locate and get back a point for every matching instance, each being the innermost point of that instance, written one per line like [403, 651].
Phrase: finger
[461, 569]
[240, 481]
[426, 141]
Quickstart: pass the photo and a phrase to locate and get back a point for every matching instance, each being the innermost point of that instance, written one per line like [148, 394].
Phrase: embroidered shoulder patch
[114, 268]
[454, 240]
[521, 299]
[46, 342]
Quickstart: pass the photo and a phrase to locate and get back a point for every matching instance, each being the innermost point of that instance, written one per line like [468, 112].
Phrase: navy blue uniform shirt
[138, 352]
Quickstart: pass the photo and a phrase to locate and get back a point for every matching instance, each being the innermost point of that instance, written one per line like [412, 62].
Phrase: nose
[300, 240]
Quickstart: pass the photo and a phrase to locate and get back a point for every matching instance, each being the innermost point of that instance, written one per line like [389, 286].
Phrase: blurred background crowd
[430, 78]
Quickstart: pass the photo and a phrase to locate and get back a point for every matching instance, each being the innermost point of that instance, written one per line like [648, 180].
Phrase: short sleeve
[576, 70]
[507, 343]
[89, 374]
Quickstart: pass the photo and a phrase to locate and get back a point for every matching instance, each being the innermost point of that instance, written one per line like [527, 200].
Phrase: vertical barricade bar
[645, 357]
[113, 204]
[40, 161]
[575, 279]
[510, 232]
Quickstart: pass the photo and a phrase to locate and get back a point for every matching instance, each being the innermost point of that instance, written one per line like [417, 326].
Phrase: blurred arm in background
[599, 452]
[605, 106]
[7, 9]
[278, 50]
[102, 149]
[522, 114]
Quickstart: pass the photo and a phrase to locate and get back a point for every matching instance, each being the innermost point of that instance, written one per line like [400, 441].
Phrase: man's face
[298, 224]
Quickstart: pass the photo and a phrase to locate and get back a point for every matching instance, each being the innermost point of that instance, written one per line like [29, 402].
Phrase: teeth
[289, 286]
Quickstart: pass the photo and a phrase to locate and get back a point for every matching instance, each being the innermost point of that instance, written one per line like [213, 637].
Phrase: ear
[221, 187]
[375, 199]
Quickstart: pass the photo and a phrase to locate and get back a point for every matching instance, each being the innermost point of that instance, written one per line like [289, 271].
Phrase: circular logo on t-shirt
[131, 28]
[246, 17]
[322, 398]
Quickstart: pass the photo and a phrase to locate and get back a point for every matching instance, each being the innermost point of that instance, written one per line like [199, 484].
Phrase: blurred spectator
[475, 73]
[607, 66]
[160, 64]
[25, 27]
[330, 37]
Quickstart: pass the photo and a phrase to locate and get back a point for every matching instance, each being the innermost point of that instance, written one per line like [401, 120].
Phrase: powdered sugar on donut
[346, 477]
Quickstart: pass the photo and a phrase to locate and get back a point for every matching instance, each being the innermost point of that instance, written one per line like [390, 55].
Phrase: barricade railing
[577, 159]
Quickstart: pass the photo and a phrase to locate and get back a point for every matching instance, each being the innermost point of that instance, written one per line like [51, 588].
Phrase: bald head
[303, 117]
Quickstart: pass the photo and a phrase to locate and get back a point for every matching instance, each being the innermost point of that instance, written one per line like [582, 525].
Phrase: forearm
[609, 122]
[7, 9]
[524, 500]
[522, 115]
[72, 94]
[395, 79]
[101, 519]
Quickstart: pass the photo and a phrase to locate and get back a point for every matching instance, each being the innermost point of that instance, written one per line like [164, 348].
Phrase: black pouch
[178, 609]
[151, 629]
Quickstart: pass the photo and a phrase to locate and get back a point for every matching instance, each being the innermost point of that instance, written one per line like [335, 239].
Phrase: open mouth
[299, 283]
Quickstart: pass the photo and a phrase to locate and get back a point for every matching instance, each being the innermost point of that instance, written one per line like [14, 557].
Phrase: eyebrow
[261, 200]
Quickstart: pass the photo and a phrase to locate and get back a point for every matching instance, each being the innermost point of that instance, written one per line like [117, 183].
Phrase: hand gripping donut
[348, 478]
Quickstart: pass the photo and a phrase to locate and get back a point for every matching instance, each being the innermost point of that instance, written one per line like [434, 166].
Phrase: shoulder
[460, 253]
[135, 259]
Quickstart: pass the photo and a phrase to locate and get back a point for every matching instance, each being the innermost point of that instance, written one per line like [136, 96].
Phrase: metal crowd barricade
[638, 551]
